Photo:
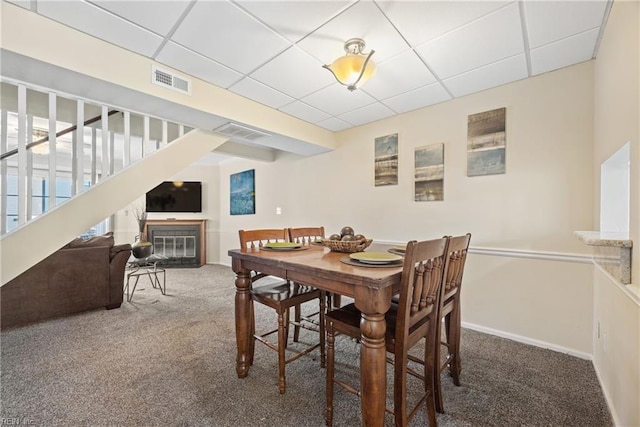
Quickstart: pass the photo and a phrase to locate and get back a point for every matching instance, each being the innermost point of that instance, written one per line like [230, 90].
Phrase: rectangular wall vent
[234, 130]
[170, 80]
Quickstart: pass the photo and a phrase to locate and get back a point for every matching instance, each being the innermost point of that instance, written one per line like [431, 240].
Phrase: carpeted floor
[170, 361]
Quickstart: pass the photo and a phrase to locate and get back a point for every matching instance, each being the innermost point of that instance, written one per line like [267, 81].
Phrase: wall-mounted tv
[175, 196]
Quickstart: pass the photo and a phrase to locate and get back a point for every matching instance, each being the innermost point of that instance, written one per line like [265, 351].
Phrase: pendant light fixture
[355, 68]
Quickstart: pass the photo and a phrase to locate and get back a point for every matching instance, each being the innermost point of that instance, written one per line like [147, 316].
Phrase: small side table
[149, 266]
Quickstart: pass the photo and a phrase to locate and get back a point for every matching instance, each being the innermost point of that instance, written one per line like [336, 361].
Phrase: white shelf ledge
[597, 238]
[611, 251]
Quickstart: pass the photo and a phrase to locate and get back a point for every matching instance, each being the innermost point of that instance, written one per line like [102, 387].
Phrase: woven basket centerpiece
[347, 246]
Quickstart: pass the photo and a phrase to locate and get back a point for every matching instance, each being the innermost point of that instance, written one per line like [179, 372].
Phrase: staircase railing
[49, 153]
[58, 135]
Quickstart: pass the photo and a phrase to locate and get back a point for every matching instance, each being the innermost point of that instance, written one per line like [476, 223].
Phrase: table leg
[373, 369]
[244, 319]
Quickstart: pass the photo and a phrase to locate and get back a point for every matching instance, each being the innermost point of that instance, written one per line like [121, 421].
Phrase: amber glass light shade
[347, 69]
[355, 68]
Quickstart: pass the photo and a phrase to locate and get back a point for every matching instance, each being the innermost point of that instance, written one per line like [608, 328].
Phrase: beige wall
[616, 352]
[529, 213]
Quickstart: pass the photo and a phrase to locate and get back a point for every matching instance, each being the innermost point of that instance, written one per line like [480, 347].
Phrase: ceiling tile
[197, 65]
[367, 114]
[304, 112]
[337, 99]
[565, 52]
[334, 124]
[98, 23]
[364, 20]
[489, 39]
[157, 16]
[294, 19]
[496, 74]
[271, 51]
[294, 73]
[421, 21]
[397, 75]
[221, 31]
[252, 89]
[419, 98]
[548, 21]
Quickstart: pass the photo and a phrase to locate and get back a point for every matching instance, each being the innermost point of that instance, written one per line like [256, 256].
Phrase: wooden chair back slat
[421, 284]
[458, 247]
[250, 239]
[417, 302]
[305, 235]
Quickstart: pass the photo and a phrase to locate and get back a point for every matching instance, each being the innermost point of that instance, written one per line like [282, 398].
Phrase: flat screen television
[175, 196]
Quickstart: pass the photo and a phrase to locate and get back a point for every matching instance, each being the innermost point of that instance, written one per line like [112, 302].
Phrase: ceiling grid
[272, 52]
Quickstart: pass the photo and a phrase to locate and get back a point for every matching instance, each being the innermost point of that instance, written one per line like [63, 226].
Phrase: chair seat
[284, 294]
[347, 320]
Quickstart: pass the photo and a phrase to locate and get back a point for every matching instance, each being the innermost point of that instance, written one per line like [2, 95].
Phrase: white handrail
[19, 159]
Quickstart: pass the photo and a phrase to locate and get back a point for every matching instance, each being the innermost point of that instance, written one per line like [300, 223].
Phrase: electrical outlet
[278, 211]
[602, 337]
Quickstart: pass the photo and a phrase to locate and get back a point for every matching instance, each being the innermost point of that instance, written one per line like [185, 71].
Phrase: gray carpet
[170, 361]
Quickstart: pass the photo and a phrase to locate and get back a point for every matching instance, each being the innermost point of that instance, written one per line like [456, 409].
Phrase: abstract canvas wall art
[429, 173]
[242, 191]
[386, 160]
[486, 143]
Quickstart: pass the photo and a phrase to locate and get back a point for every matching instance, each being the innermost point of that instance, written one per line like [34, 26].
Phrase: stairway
[32, 242]
[114, 180]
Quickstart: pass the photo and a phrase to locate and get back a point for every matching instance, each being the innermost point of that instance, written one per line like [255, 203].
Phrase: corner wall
[529, 278]
[616, 350]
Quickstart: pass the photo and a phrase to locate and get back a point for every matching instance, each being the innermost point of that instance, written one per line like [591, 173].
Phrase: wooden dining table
[314, 265]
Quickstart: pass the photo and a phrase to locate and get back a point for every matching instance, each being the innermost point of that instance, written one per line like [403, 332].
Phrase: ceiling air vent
[234, 130]
[169, 80]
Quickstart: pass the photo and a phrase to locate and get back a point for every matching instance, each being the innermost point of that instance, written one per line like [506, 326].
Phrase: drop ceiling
[427, 52]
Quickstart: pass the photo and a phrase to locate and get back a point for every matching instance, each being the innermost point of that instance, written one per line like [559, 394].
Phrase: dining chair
[308, 235]
[451, 313]
[281, 295]
[414, 317]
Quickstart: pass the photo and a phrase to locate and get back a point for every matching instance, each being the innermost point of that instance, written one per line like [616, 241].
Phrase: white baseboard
[527, 340]
[220, 263]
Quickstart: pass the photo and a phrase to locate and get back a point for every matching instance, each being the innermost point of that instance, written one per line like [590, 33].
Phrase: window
[40, 200]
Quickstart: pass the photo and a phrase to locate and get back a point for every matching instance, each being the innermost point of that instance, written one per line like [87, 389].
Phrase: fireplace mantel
[200, 223]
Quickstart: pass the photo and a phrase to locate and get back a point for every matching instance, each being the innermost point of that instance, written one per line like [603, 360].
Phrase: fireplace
[181, 241]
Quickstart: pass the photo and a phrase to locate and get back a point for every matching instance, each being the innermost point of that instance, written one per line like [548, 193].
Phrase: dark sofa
[85, 274]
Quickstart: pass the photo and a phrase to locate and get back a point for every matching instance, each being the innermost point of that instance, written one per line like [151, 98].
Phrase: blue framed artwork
[242, 192]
